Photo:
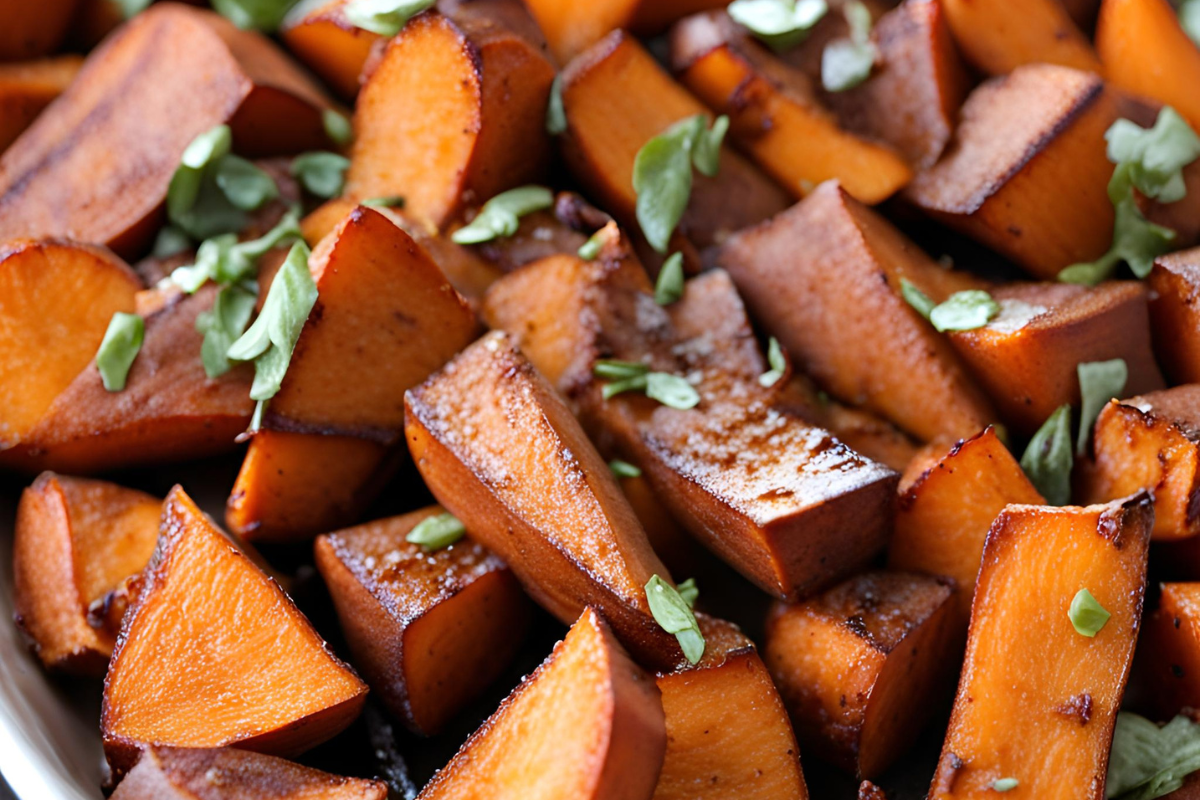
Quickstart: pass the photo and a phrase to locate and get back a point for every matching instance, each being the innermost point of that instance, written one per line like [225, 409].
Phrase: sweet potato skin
[26, 89]
[1038, 701]
[1169, 653]
[1174, 316]
[999, 38]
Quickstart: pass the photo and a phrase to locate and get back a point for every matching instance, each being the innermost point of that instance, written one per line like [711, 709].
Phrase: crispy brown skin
[1175, 314]
[30, 30]
[26, 89]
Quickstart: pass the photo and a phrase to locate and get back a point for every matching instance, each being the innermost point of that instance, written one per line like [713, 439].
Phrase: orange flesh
[330, 46]
[213, 652]
[998, 38]
[1170, 650]
[588, 724]
[1175, 316]
[571, 28]
[26, 89]
[1037, 701]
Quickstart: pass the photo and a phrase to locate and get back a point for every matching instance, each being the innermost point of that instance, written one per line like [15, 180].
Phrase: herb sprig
[662, 173]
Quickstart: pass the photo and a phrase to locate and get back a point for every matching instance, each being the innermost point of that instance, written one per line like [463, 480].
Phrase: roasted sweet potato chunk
[56, 300]
[812, 277]
[564, 528]
[783, 502]
[224, 773]
[430, 631]
[1146, 52]
[775, 114]
[728, 734]
[1026, 172]
[861, 666]
[329, 44]
[1000, 37]
[1037, 700]
[212, 652]
[129, 91]
[1151, 442]
[453, 114]
[29, 30]
[616, 99]
[571, 28]
[943, 515]
[26, 89]
[587, 724]
[1174, 316]
[1169, 651]
[1027, 358]
[76, 543]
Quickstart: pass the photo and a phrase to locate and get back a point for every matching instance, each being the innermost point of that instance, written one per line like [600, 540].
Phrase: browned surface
[27, 88]
[430, 631]
[29, 30]
[1000, 37]
[329, 44]
[572, 27]
[1169, 651]
[1175, 314]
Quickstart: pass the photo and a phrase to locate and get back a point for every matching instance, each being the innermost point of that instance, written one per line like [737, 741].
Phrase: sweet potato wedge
[30, 30]
[728, 734]
[212, 652]
[1026, 172]
[1027, 358]
[606, 743]
[27, 88]
[616, 99]
[56, 300]
[1169, 651]
[775, 114]
[419, 623]
[60, 177]
[489, 414]
[571, 28]
[224, 773]
[671, 543]
[829, 252]
[1037, 701]
[453, 114]
[76, 542]
[1174, 316]
[1146, 52]
[860, 667]
[999, 37]
[781, 501]
[1151, 441]
[943, 515]
[329, 44]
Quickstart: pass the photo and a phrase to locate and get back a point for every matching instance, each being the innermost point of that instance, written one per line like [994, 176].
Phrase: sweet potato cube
[824, 277]
[419, 623]
[1174, 316]
[1026, 173]
[728, 734]
[225, 773]
[1027, 358]
[1000, 37]
[29, 30]
[606, 742]
[453, 114]
[1037, 700]
[329, 44]
[60, 177]
[1152, 442]
[571, 27]
[212, 653]
[1169, 650]
[860, 667]
[1145, 51]
[26, 89]
[56, 300]
[617, 98]
[943, 515]
[564, 527]
[76, 542]
[775, 115]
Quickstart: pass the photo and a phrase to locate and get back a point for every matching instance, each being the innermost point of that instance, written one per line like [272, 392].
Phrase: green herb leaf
[689, 592]
[706, 153]
[777, 363]
[212, 188]
[556, 114]
[131, 8]
[662, 174]
[208, 147]
[170, 242]
[611, 369]
[1099, 382]
[226, 260]
[633, 376]
[1147, 761]
[846, 63]
[964, 311]
[436, 532]
[1005, 784]
[338, 127]
[1156, 156]
[391, 201]
[591, 248]
[322, 173]
[671, 390]
[120, 347]
[1048, 458]
[501, 216]
[245, 185]
[669, 287]
[922, 302]
[1189, 19]
[781, 24]
[674, 615]
[1087, 615]
[385, 17]
[260, 15]
[623, 469]
[223, 324]
[209, 256]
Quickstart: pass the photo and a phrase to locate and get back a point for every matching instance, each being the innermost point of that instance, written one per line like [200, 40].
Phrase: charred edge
[387, 437]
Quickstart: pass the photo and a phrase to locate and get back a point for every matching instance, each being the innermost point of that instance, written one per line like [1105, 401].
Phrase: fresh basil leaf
[322, 173]
[623, 469]
[1156, 156]
[390, 201]
[920, 301]
[1189, 19]
[245, 185]
[1099, 382]
[671, 390]
[120, 346]
[592, 247]
[674, 615]
[259, 15]
[1005, 784]
[385, 17]
[611, 369]
[780, 24]
[1147, 761]
[846, 63]
[436, 532]
[208, 147]
[209, 257]
[964, 311]
[556, 114]
[689, 592]
[669, 286]
[338, 127]
[223, 324]
[1087, 615]
[706, 152]
[244, 256]
[777, 363]
[662, 179]
[501, 216]
[1048, 458]
[170, 242]
[637, 383]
